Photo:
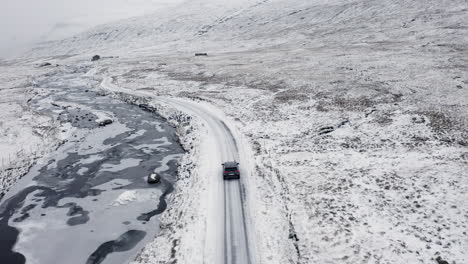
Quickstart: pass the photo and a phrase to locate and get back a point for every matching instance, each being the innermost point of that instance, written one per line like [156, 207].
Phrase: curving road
[226, 236]
[229, 232]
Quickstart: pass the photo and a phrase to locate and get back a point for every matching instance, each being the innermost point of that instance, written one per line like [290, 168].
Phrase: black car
[231, 170]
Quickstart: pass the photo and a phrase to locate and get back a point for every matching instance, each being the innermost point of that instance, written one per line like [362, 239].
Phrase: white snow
[131, 196]
[354, 113]
[25, 135]
[125, 198]
[136, 134]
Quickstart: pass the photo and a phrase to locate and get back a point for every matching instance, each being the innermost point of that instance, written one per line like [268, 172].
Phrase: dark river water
[89, 202]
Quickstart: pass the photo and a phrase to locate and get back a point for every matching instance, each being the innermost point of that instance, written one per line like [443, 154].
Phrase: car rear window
[231, 169]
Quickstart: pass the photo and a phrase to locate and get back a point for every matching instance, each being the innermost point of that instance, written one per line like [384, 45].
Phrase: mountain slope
[356, 111]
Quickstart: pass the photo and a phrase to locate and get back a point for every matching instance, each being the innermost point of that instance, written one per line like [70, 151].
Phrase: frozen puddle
[125, 163]
[89, 202]
[95, 223]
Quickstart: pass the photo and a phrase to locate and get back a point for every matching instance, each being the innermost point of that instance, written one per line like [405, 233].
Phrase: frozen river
[89, 202]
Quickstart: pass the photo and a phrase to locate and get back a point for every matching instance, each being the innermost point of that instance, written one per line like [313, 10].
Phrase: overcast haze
[25, 22]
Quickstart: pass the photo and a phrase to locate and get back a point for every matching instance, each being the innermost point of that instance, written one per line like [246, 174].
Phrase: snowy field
[25, 135]
[356, 112]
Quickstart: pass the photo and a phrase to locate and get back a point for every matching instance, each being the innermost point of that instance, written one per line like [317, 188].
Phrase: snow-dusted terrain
[91, 193]
[355, 113]
[221, 232]
[25, 134]
[23, 23]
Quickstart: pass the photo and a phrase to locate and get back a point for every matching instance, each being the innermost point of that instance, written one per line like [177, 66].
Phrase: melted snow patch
[125, 198]
[131, 196]
[136, 134]
[125, 163]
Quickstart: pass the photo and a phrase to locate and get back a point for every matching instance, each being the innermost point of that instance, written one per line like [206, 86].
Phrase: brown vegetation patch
[450, 128]
[290, 95]
[341, 103]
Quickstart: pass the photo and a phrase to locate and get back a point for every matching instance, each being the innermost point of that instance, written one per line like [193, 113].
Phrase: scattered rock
[105, 122]
[201, 54]
[441, 261]
[45, 64]
[96, 58]
[418, 119]
[370, 111]
[147, 107]
[154, 178]
[342, 123]
[325, 130]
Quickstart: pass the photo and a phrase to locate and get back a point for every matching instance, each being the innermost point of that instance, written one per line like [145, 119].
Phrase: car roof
[230, 164]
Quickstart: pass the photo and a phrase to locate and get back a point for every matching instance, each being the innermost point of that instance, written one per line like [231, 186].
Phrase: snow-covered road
[226, 195]
[226, 238]
[236, 246]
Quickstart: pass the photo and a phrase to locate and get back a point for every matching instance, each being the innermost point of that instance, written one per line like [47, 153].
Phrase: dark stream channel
[89, 202]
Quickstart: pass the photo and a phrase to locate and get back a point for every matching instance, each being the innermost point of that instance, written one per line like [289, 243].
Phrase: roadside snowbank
[183, 223]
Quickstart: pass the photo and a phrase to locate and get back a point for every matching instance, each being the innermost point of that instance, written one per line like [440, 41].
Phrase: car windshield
[231, 169]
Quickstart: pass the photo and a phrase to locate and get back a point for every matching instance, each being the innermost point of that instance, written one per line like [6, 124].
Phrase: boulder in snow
[105, 122]
[154, 178]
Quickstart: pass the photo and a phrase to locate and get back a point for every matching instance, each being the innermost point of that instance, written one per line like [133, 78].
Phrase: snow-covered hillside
[356, 111]
[25, 134]
[24, 23]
